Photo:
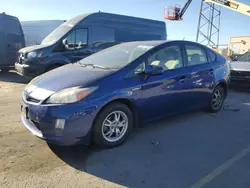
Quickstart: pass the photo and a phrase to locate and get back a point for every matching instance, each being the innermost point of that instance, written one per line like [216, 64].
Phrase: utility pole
[208, 31]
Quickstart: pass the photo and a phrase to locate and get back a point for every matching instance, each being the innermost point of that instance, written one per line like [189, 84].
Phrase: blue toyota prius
[104, 96]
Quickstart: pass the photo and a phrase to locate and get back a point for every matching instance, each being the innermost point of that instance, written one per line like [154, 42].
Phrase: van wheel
[112, 125]
[217, 99]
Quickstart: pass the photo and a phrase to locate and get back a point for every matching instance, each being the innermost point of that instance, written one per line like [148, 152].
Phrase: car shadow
[173, 152]
[155, 155]
[12, 76]
[240, 89]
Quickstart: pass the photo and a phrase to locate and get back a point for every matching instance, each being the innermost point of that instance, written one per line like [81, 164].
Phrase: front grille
[31, 99]
[20, 57]
[240, 73]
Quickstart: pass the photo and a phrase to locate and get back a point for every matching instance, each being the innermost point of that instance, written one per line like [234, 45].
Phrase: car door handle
[182, 79]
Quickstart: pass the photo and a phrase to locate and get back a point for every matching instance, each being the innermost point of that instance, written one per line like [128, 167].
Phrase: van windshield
[118, 56]
[57, 34]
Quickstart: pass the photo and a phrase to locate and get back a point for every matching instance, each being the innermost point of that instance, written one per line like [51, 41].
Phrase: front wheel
[112, 125]
[217, 99]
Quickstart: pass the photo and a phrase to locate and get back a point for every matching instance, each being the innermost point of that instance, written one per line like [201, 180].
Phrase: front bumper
[41, 121]
[30, 71]
[240, 78]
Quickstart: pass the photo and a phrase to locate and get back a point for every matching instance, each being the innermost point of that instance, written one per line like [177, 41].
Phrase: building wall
[36, 31]
[238, 45]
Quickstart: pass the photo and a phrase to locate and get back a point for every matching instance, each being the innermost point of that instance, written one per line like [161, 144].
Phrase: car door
[165, 94]
[201, 75]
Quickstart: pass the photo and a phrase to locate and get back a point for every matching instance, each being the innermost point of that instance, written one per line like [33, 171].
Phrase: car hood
[33, 48]
[67, 76]
[240, 66]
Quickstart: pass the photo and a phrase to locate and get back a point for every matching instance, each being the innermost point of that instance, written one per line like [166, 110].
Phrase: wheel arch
[224, 85]
[130, 104]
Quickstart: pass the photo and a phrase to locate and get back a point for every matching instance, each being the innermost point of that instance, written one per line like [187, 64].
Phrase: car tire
[112, 125]
[217, 99]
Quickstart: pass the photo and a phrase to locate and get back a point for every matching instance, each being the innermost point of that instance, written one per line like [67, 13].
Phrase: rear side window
[103, 37]
[211, 55]
[196, 55]
[12, 26]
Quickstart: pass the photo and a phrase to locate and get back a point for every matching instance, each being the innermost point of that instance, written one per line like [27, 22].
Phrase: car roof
[159, 42]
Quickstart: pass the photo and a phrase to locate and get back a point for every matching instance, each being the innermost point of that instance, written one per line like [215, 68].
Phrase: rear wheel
[217, 99]
[112, 125]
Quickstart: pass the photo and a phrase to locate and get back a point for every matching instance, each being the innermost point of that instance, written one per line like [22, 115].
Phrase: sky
[232, 23]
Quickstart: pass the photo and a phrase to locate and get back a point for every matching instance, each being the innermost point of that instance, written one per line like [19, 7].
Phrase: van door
[14, 39]
[102, 37]
[76, 45]
[13, 45]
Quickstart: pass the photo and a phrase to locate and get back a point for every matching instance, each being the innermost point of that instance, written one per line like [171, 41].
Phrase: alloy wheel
[114, 126]
[218, 98]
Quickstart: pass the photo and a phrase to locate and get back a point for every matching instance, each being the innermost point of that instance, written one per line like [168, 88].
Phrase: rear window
[11, 25]
[211, 55]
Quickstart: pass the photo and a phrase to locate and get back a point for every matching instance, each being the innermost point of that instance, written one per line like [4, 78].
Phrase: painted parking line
[203, 181]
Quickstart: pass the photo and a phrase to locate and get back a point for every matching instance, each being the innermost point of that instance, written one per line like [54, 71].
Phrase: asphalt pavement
[198, 149]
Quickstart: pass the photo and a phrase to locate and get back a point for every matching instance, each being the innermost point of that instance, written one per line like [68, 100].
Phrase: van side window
[77, 39]
[196, 55]
[103, 37]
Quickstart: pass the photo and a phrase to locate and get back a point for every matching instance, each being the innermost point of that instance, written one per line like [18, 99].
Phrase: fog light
[60, 123]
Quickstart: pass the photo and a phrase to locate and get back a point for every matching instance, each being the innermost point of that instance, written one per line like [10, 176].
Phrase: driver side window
[77, 39]
[168, 58]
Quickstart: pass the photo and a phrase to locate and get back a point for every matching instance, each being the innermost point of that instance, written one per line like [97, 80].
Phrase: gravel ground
[192, 150]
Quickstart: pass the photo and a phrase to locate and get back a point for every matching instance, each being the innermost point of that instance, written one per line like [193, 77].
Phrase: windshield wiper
[93, 65]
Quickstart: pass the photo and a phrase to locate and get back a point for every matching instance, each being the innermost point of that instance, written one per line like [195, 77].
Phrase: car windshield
[118, 56]
[56, 34]
[245, 57]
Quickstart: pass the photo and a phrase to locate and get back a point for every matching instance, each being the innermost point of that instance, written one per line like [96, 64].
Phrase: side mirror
[65, 42]
[153, 70]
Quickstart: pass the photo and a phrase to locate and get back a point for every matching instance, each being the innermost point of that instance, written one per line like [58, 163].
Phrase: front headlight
[31, 55]
[70, 95]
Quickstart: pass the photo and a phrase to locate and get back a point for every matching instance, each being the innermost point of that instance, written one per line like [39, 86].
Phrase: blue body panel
[152, 97]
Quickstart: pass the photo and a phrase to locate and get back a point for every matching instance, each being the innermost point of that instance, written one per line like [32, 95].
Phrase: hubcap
[217, 99]
[114, 126]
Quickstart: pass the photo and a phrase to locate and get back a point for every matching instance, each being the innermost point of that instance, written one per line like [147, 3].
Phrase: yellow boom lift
[175, 13]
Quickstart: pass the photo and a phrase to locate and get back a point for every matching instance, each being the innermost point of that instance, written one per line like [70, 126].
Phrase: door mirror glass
[65, 42]
[153, 70]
